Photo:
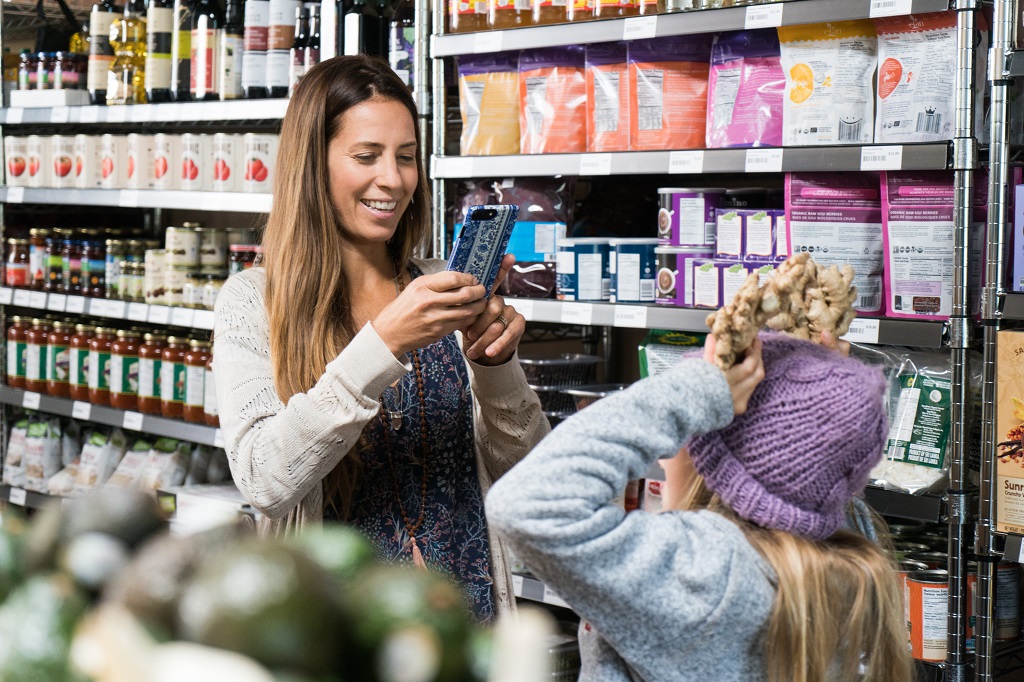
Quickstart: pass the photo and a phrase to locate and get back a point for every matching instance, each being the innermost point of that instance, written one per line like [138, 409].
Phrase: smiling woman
[359, 384]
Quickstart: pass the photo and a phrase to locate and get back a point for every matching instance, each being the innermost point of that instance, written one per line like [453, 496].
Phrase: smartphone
[482, 243]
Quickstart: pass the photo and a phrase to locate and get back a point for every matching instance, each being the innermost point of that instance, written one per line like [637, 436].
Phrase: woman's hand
[743, 377]
[494, 336]
[430, 307]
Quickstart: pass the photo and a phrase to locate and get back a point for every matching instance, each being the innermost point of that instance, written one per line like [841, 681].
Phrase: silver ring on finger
[504, 322]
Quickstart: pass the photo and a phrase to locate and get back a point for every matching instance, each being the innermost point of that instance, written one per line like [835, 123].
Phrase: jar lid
[134, 242]
[39, 232]
[156, 252]
[127, 334]
[115, 242]
[152, 336]
[85, 328]
[17, 318]
[17, 242]
[39, 321]
[196, 343]
[59, 324]
[177, 340]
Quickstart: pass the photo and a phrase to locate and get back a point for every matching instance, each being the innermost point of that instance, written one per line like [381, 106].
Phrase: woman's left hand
[494, 337]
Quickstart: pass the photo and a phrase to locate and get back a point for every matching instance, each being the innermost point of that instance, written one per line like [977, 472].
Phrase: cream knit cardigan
[279, 454]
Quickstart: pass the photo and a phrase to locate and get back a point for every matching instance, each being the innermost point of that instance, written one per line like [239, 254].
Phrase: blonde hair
[307, 294]
[838, 610]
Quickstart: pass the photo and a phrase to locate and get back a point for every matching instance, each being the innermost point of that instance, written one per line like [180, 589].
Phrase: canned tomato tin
[155, 280]
[182, 244]
[40, 161]
[88, 167]
[196, 172]
[927, 606]
[687, 215]
[166, 161]
[259, 156]
[632, 266]
[139, 173]
[907, 567]
[1006, 609]
[227, 150]
[16, 153]
[62, 151]
[581, 268]
[113, 161]
[672, 277]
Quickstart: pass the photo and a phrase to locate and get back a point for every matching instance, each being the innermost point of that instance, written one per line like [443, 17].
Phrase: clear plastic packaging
[489, 104]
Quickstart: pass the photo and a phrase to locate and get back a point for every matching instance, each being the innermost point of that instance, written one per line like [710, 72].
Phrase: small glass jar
[94, 268]
[44, 70]
[78, 362]
[54, 283]
[36, 339]
[124, 370]
[124, 280]
[241, 257]
[135, 251]
[57, 359]
[192, 294]
[16, 342]
[99, 365]
[150, 352]
[17, 272]
[37, 257]
[116, 250]
[71, 267]
[172, 377]
[28, 70]
[210, 411]
[195, 381]
[211, 289]
[65, 72]
[213, 247]
[137, 282]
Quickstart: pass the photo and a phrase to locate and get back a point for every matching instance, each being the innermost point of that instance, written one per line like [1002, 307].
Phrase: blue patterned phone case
[483, 241]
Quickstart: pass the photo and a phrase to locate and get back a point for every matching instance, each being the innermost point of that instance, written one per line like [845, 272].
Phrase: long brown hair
[307, 292]
[838, 610]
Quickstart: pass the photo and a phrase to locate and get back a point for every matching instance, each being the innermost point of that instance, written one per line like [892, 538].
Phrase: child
[749, 576]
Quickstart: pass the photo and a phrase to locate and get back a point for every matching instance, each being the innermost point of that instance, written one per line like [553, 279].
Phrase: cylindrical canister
[581, 267]
[927, 600]
[166, 161]
[63, 153]
[227, 151]
[632, 266]
[673, 282]
[687, 215]
[259, 156]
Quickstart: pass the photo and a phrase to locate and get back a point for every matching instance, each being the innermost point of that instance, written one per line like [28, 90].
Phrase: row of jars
[129, 369]
[203, 248]
[52, 70]
[465, 16]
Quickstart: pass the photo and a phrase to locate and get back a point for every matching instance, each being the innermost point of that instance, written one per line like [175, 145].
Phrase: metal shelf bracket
[965, 153]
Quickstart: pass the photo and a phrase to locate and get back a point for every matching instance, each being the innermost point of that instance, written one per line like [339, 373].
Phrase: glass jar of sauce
[37, 257]
[58, 358]
[65, 72]
[78, 362]
[150, 352]
[54, 283]
[36, 339]
[172, 377]
[211, 289]
[71, 267]
[124, 370]
[210, 411]
[241, 257]
[195, 380]
[28, 70]
[508, 14]
[44, 71]
[94, 268]
[16, 335]
[192, 294]
[116, 250]
[99, 365]
[580, 10]
[17, 272]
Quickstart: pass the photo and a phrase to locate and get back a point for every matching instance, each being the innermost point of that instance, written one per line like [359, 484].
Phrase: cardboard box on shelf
[1010, 432]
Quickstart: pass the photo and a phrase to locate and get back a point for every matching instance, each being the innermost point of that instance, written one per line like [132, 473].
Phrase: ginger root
[802, 300]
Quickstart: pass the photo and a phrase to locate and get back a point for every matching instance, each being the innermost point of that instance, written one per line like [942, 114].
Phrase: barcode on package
[929, 122]
[647, 290]
[849, 131]
[889, 8]
[869, 295]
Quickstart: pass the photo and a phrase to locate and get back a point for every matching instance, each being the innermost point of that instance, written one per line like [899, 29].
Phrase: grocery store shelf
[134, 198]
[924, 156]
[20, 497]
[175, 112]
[526, 587]
[864, 330]
[1014, 549]
[133, 421]
[100, 307]
[927, 508]
[678, 23]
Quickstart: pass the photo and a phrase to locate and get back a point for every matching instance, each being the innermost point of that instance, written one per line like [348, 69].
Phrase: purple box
[672, 274]
[747, 233]
[1017, 241]
[687, 216]
[715, 281]
[782, 251]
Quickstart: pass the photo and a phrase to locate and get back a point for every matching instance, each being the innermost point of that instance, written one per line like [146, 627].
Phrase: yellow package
[489, 104]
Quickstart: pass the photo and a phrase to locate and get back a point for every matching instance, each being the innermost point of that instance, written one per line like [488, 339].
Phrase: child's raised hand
[742, 377]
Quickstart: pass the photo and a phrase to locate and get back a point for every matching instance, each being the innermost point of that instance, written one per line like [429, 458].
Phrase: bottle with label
[16, 345]
[364, 27]
[297, 55]
[465, 16]
[126, 81]
[281, 36]
[207, 29]
[99, 365]
[172, 377]
[329, 46]
[255, 33]
[101, 54]
[57, 358]
[36, 340]
[150, 353]
[231, 42]
[402, 43]
[78, 362]
[124, 370]
[195, 381]
[159, 39]
[312, 54]
[181, 52]
[509, 13]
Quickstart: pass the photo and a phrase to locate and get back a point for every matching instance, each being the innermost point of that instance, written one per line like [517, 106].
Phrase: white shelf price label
[22, 297]
[57, 302]
[129, 198]
[862, 330]
[889, 8]
[577, 313]
[218, 439]
[75, 304]
[686, 162]
[15, 195]
[89, 114]
[98, 306]
[117, 114]
[60, 115]
[639, 28]
[763, 161]
[14, 115]
[631, 316]
[37, 299]
[6, 295]
[458, 167]
[596, 164]
[881, 158]
[203, 319]
[138, 312]
[159, 314]
[488, 41]
[132, 421]
[517, 585]
[30, 401]
[524, 307]
[116, 308]
[763, 16]
[18, 496]
[81, 410]
[181, 317]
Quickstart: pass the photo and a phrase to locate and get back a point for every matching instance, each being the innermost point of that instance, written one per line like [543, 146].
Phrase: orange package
[668, 83]
[489, 104]
[552, 101]
[608, 100]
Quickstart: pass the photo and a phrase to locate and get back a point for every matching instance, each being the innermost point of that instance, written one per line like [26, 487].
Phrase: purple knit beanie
[812, 431]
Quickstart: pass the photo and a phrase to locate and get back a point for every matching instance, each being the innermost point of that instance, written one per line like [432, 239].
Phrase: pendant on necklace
[395, 419]
[417, 556]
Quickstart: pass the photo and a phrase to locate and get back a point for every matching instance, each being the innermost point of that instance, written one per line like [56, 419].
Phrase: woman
[356, 382]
